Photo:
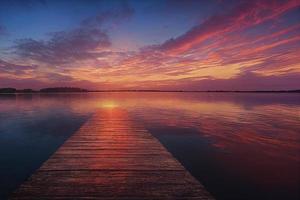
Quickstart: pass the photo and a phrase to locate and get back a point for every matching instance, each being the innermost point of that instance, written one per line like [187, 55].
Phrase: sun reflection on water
[109, 104]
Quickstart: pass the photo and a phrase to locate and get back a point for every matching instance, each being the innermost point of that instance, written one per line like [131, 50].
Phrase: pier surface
[111, 157]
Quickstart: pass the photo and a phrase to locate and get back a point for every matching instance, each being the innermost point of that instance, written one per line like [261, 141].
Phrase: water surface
[239, 145]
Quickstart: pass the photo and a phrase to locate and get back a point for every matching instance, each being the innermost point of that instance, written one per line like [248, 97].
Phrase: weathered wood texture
[111, 157]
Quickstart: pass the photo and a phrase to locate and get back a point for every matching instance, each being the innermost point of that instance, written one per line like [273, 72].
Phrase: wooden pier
[111, 157]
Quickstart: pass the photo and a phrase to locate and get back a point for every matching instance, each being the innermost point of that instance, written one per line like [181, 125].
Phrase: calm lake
[239, 145]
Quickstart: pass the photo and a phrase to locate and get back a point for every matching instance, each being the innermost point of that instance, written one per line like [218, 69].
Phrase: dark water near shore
[240, 146]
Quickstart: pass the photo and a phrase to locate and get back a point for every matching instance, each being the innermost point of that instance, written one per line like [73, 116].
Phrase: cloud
[247, 13]
[24, 76]
[21, 83]
[64, 47]
[15, 69]
[38, 84]
[88, 41]
[253, 46]
[55, 77]
[201, 55]
[244, 81]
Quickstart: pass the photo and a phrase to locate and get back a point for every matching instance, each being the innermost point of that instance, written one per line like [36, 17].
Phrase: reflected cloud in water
[236, 144]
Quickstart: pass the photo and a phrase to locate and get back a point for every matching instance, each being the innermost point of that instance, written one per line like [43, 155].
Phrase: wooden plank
[111, 157]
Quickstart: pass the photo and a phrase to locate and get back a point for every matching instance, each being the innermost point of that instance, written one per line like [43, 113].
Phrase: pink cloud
[219, 54]
[248, 13]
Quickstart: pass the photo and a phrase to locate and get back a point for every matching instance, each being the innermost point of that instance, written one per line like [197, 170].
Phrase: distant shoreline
[144, 91]
[80, 90]
[197, 91]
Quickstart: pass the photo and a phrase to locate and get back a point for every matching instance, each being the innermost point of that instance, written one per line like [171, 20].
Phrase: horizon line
[81, 90]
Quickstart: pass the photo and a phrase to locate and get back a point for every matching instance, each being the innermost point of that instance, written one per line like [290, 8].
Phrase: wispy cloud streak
[253, 45]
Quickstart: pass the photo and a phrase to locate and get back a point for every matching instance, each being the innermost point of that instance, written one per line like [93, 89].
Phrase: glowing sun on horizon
[108, 104]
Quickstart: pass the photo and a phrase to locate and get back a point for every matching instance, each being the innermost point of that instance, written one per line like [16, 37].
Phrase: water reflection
[241, 146]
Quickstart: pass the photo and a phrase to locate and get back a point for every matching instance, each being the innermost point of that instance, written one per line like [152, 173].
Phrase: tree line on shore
[44, 90]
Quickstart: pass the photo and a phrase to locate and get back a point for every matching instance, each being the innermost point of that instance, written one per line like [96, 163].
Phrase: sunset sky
[155, 44]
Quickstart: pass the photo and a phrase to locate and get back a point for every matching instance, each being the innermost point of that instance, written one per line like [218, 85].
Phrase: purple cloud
[85, 42]
[21, 83]
[245, 81]
[64, 47]
[56, 77]
[10, 68]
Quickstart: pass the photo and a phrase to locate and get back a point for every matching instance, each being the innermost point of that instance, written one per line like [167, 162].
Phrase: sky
[155, 44]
